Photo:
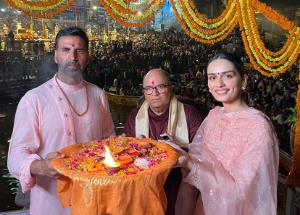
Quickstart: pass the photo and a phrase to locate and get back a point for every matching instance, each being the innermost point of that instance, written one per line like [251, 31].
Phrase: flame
[109, 161]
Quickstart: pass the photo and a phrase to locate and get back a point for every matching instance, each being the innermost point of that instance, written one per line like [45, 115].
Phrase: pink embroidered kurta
[44, 123]
[235, 164]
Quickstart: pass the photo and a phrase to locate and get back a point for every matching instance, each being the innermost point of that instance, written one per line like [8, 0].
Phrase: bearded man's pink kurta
[44, 123]
[235, 164]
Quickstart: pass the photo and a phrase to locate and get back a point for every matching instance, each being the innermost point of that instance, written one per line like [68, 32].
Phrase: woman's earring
[244, 85]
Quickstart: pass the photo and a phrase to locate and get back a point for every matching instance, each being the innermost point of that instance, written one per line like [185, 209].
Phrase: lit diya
[110, 164]
[98, 172]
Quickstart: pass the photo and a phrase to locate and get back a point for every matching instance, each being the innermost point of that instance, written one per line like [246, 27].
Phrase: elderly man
[163, 116]
[64, 110]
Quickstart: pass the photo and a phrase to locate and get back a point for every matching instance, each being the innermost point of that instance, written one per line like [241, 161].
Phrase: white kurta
[44, 123]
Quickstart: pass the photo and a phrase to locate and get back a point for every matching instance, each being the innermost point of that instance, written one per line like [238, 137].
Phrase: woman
[233, 160]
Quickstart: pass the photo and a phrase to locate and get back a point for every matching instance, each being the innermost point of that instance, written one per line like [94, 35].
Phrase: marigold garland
[42, 13]
[227, 14]
[213, 30]
[39, 7]
[254, 47]
[204, 34]
[133, 15]
[198, 35]
[125, 11]
[40, 3]
[259, 45]
[203, 29]
[127, 17]
[272, 15]
[135, 6]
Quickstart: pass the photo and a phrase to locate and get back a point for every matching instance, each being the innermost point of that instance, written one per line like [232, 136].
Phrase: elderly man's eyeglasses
[161, 88]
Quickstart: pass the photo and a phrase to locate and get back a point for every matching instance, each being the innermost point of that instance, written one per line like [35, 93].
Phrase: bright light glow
[139, 13]
[109, 161]
[95, 7]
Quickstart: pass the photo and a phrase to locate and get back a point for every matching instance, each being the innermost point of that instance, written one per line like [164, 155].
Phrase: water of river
[8, 185]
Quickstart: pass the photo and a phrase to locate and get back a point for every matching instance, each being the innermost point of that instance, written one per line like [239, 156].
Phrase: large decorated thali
[118, 175]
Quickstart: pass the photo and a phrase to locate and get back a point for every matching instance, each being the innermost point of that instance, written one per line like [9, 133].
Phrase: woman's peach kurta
[45, 123]
[235, 164]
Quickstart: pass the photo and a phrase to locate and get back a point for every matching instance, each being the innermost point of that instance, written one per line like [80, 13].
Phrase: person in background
[62, 111]
[233, 159]
[162, 116]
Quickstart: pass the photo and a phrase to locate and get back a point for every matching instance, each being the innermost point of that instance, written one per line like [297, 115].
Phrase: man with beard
[64, 110]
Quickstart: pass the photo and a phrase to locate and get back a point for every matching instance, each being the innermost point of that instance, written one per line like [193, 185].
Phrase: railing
[289, 194]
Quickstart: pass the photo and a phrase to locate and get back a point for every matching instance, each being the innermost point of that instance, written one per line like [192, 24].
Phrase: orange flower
[122, 19]
[40, 14]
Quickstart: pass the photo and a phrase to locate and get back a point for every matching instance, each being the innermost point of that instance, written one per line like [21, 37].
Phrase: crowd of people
[119, 65]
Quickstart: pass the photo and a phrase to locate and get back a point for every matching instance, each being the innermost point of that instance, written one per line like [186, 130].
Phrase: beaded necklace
[69, 102]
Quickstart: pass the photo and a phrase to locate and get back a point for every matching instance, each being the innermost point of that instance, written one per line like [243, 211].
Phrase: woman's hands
[183, 158]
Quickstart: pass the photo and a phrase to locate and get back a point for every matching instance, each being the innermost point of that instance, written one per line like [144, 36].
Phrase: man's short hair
[72, 31]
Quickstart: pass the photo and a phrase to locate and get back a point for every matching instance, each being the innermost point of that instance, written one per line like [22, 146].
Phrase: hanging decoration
[242, 13]
[131, 13]
[201, 28]
[40, 9]
[134, 6]
[267, 62]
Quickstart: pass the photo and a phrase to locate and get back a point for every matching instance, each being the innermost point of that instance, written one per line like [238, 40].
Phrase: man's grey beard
[71, 72]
